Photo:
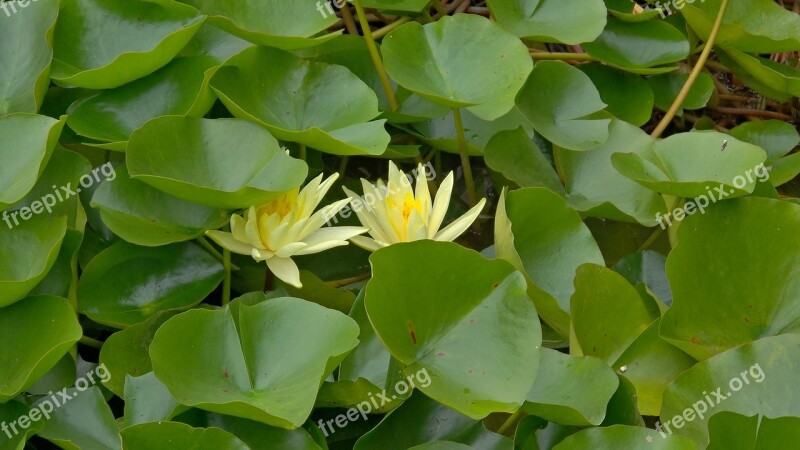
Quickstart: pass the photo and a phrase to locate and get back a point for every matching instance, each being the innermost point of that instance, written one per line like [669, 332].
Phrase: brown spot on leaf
[411, 331]
[695, 341]
[746, 319]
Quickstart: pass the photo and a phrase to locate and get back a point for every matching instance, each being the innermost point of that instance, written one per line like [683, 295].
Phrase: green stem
[89, 342]
[462, 147]
[226, 282]
[510, 421]
[343, 166]
[381, 32]
[563, 56]
[303, 152]
[701, 61]
[376, 56]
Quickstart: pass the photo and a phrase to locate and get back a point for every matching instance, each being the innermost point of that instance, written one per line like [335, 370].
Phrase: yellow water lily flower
[286, 227]
[394, 212]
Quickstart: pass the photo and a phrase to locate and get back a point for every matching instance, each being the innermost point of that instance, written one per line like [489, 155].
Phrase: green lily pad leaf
[125, 353]
[370, 360]
[9, 412]
[126, 284]
[59, 278]
[477, 337]
[30, 251]
[772, 30]
[596, 188]
[255, 434]
[638, 45]
[148, 400]
[775, 137]
[785, 169]
[557, 100]
[396, 5]
[601, 291]
[272, 23]
[769, 78]
[26, 54]
[64, 170]
[694, 164]
[143, 215]
[83, 422]
[420, 420]
[431, 59]
[545, 21]
[622, 408]
[571, 390]
[180, 88]
[666, 88]
[295, 103]
[648, 268]
[515, 155]
[624, 436]
[441, 132]
[747, 380]
[720, 302]
[623, 10]
[317, 291]
[39, 331]
[236, 367]
[650, 363]
[441, 445]
[178, 435]
[26, 143]
[547, 249]
[211, 41]
[191, 159]
[627, 95]
[730, 430]
[138, 36]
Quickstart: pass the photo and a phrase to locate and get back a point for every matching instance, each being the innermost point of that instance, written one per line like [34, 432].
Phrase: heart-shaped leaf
[730, 430]
[137, 36]
[148, 400]
[191, 159]
[544, 20]
[37, 332]
[83, 421]
[547, 248]
[431, 59]
[557, 100]
[692, 164]
[728, 288]
[143, 215]
[638, 45]
[179, 88]
[520, 160]
[125, 284]
[266, 364]
[30, 250]
[477, 337]
[273, 23]
[26, 143]
[293, 98]
[25, 55]
[9, 412]
[617, 88]
[775, 137]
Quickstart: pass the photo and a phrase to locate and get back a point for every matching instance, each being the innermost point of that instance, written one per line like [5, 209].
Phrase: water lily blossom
[395, 212]
[286, 227]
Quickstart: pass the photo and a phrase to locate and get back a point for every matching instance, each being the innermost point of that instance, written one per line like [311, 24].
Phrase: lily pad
[547, 248]
[618, 89]
[558, 100]
[126, 284]
[694, 164]
[85, 421]
[143, 215]
[26, 143]
[138, 37]
[775, 137]
[772, 79]
[25, 56]
[274, 23]
[38, 332]
[544, 20]
[639, 45]
[190, 158]
[666, 88]
[179, 88]
[148, 400]
[514, 154]
[621, 436]
[148, 436]
[730, 430]
[729, 289]
[247, 366]
[431, 59]
[293, 98]
[477, 337]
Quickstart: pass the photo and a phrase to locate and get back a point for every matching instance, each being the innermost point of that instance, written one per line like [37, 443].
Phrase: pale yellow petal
[415, 230]
[461, 224]
[366, 243]
[251, 229]
[366, 216]
[333, 234]
[290, 249]
[422, 194]
[440, 205]
[321, 247]
[228, 241]
[286, 270]
[238, 224]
